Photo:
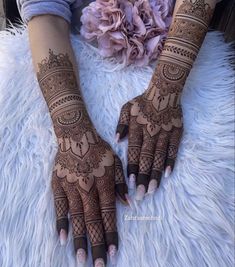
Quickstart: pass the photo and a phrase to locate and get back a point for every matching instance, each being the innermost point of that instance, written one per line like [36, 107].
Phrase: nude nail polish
[152, 186]
[132, 179]
[117, 138]
[81, 257]
[140, 192]
[99, 262]
[167, 171]
[112, 254]
[63, 237]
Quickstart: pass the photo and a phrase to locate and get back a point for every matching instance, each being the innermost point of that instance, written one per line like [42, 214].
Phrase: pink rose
[135, 53]
[145, 12]
[111, 43]
[154, 43]
[90, 19]
[133, 31]
[111, 19]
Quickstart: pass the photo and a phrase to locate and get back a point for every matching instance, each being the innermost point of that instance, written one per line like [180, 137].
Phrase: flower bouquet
[131, 31]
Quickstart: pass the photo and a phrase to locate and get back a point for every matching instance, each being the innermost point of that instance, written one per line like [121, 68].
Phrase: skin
[87, 174]
[154, 120]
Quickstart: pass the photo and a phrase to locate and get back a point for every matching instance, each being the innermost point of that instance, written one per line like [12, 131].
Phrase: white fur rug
[189, 220]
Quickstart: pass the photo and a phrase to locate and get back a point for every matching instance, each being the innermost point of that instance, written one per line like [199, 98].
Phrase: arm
[154, 119]
[86, 171]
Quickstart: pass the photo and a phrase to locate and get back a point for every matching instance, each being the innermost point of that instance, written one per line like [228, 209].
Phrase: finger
[78, 223]
[112, 250]
[159, 160]
[121, 188]
[106, 190]
[61, 208]
[94, 223]
[145, 163]
[122, 127]
[135, 141]
[173, 147]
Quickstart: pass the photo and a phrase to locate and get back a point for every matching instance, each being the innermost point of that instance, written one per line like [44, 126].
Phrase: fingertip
[132, 179]
[127, 200]
[99, 262]
[81, 257]
[132, 169]
[112, 251]
[63, 237]
[140, 192]
[121, 192]
[117, 137]
[168, 171]
[152, 186]
[122, 130]
[123, 199]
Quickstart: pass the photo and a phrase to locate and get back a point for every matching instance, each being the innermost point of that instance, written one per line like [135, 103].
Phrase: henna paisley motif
[154, 120]
[83, 180]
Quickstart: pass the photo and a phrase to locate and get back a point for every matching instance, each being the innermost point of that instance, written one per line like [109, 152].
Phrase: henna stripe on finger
[84, 163]
[160, 156]
[173, 147]
[121, 188]
[123, 123]
[61, 204]
[146, 160]
[157, 113]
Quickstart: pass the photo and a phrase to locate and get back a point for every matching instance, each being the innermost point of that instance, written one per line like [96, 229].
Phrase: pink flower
[111, 19]
[99, 17]
[111, 42]
[136, 53]
[132, 31]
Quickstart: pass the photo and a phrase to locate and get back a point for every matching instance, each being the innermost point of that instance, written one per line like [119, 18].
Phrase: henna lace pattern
[160, 107]
[83, 174]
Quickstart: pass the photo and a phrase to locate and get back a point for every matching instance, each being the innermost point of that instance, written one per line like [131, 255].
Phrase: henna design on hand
[154, 120]
[86, 174]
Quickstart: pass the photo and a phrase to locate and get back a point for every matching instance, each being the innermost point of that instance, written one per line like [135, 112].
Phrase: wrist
[163, 96]
[167, 82]
[73, 129]
[71, 117]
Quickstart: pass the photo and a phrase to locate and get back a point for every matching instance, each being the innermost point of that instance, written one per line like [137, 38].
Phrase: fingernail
[81, 256]
[117, 137]
[152, 186]
[167, 171]
[99, 262]
[63, 237]
[140, 191]
[112, 254]
[132, 179]
[128, 199]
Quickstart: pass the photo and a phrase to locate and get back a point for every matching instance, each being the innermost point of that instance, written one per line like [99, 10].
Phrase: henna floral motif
[154, 120]
[83, 180]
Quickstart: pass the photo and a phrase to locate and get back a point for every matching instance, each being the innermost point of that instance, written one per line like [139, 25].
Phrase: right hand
[85, 177]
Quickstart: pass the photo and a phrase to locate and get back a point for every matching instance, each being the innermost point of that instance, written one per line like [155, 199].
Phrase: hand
[154, 119]
[85, 177]
[154, 125]
[86, 172]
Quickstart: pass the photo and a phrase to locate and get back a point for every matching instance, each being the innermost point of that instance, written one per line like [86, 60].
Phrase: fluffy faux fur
[188, 221]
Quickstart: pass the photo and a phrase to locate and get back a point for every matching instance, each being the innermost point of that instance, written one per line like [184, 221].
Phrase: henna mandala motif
[154, 120]
[83, 180]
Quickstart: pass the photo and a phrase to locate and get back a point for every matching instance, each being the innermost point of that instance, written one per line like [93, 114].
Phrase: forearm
[189, 26]
[55, 65]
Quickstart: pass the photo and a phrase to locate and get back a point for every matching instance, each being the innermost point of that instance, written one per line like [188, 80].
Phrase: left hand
[154, 125]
